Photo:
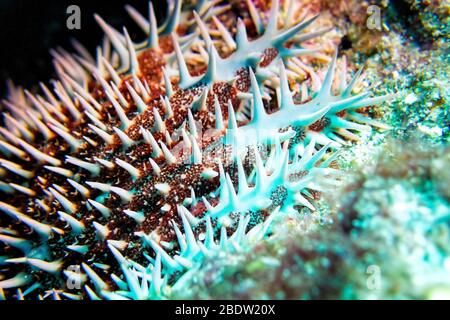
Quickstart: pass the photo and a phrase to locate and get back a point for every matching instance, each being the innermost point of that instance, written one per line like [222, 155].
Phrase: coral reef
[241, 146]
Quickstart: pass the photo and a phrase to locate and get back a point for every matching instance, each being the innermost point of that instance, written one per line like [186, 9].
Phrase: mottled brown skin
[243, 80]
[319, 125]
[268, 56]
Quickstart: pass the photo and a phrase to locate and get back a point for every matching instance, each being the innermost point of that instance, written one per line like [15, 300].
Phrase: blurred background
[29, 28]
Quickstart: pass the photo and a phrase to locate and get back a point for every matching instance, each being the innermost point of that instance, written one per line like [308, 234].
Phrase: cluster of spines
[50, 116]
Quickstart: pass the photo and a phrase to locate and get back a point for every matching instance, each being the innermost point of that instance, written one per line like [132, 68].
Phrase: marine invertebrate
[147, 159]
